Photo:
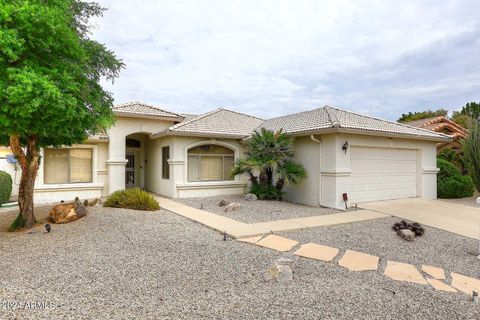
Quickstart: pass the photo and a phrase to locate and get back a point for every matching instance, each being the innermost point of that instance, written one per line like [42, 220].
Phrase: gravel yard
[124, 264]
[257, 211]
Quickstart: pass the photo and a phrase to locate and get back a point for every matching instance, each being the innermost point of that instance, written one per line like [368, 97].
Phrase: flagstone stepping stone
[404, 272]
[251, 239]
[277, 243]
[317, 251]
[464, 283]
[439, 285]
[358, 261]
[434, 272]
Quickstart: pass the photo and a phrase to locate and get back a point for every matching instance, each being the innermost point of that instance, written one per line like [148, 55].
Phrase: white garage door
[382, 174]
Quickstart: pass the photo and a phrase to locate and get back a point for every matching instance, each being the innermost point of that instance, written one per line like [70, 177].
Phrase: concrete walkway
[456, 218]
[237, 229]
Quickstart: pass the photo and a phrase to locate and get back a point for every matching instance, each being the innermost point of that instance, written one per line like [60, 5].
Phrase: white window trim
[236, 154]
[41, 178]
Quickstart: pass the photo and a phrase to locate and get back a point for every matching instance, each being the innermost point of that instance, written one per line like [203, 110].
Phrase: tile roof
[329, 117]
[439, 124]
[220, 122]
[142, 109]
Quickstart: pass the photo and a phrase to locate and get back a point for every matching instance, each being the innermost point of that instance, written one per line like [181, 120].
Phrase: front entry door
[131, 170]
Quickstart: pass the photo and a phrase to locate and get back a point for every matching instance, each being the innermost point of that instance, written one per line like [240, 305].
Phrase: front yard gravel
[124, 264]
[257, 211]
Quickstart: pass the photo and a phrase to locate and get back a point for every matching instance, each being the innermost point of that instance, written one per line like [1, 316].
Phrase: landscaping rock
[67, 212]
[250, 197]
[406, 234]
[232, 207]
[281, 271]
[223, 203]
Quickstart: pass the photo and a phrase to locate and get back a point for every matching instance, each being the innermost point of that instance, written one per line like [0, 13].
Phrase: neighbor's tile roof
[328, 117]
[142, 109]
[220, 122]
[438, 124]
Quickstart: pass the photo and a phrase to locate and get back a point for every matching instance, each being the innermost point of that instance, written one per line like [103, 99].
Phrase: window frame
[68, 166]
[199, 157]
[165, 164]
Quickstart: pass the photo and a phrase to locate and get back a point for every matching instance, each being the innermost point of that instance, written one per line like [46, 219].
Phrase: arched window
[210, 163]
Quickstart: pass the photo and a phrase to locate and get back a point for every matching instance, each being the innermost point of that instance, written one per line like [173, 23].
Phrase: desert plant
[5, 187]
[269, 164]
[450, 183]
[471, 154]
[135, 199]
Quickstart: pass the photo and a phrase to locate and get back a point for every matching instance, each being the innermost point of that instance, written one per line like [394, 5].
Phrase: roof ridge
[392, 122]
[131, 103]
[241, 113]
[331, 117]
[206, 114]
[293, 114]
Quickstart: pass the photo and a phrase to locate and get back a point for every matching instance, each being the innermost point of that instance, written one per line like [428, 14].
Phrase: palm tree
[268, 158]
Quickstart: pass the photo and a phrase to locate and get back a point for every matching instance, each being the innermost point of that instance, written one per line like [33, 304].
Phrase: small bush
[5, 187]
[135, 199]
[268, 192]
[450, 183]
[455, 187]
[18, 223]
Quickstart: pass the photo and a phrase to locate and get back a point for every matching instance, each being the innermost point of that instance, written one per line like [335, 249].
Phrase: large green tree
[50, 73]
[468, 114]
[471, 153]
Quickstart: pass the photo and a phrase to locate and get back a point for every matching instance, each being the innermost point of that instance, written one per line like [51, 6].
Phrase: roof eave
[370, 133]
[147, 116]
[196, 134]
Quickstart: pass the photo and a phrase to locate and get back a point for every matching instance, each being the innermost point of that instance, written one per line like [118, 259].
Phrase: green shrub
[447, 170]
[18, 223]
[455, 187]
[450, 183]
[267, 192]
[136, 199]
[5, 187]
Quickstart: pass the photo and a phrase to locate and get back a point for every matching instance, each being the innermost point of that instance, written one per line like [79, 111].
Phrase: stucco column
[116, 163]
[427, 172]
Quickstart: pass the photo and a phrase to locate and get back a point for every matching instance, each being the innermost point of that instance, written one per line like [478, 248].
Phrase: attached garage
[382, 174]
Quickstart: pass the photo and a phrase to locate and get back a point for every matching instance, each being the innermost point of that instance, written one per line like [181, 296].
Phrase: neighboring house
[443, 125]
[165, 153]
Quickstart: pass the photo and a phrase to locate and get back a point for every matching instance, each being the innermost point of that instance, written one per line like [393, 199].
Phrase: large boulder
[68, 212]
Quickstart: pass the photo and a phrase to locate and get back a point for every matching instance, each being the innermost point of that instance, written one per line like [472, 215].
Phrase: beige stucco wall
[307, 153]
[116, 151]
[335, 170]
[178, 186]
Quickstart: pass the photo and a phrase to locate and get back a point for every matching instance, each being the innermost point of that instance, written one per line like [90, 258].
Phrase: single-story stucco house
[179, 156]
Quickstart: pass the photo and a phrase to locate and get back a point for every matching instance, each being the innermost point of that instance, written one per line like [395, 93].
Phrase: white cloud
[270, 58]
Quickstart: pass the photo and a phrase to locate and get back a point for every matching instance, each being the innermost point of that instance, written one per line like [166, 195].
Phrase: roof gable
[439, 124]
[139, 109]
[220, 122]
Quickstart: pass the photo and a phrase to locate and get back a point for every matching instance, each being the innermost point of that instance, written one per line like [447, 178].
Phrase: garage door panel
[382, 174]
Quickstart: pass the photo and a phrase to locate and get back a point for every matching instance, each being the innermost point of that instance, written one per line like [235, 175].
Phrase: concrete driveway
[456, 218]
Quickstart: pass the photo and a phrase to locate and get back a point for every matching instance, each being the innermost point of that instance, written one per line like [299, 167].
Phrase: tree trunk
[279, 186]
[29, 162]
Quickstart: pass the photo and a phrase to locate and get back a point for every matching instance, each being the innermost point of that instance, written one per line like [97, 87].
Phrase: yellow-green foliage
[136, 199]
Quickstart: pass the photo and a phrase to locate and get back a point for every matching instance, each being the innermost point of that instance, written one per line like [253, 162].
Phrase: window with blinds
[68, 165]
[210, 163]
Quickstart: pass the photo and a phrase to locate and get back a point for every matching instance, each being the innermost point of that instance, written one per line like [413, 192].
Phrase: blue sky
[270, 58]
